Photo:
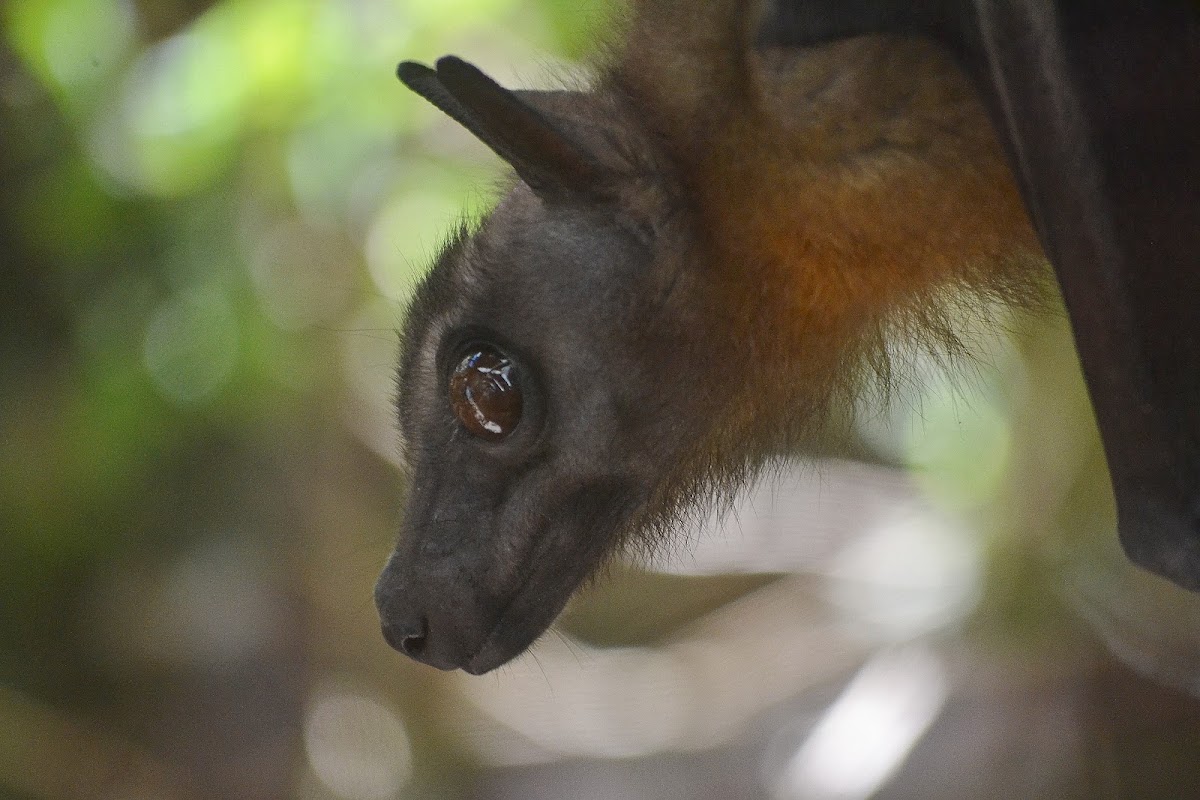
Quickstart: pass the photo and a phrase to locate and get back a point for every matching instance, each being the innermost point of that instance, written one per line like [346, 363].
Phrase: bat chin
[497, 652]
[572, 548]
[526, 618]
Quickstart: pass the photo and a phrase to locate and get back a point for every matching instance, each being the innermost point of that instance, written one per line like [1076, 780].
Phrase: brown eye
[484, 394]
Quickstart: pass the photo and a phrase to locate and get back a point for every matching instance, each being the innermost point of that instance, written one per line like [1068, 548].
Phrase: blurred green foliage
[210, 218]
[211, 214]
[165, 167]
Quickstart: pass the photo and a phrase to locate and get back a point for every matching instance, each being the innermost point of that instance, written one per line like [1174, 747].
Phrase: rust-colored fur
[703, 254]
[845, 189]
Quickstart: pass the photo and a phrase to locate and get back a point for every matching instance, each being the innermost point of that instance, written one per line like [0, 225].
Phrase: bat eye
[485, 395]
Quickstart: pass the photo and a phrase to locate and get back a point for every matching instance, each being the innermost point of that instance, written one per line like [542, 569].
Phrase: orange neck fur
[846, 188]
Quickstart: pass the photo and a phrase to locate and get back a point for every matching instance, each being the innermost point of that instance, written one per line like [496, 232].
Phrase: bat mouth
[522, 620]
[451, 611]
[502, 645]
[527, 616]
[598, 513]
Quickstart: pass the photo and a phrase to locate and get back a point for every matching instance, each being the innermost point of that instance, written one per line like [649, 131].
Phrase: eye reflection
[485, 395]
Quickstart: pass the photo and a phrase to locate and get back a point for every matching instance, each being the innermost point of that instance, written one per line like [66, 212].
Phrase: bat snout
[477, 590]
[441, 628]
[407, 635]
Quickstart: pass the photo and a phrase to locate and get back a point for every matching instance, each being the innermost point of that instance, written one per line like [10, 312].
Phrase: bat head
[559, 386]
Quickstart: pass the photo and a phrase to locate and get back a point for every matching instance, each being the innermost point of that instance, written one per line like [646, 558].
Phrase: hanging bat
[710, 248]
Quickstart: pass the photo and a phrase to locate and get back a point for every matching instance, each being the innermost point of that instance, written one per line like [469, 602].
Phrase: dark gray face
[551, 377]
[504, 521]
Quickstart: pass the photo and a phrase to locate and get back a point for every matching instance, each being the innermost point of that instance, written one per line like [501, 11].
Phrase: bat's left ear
[549, 159]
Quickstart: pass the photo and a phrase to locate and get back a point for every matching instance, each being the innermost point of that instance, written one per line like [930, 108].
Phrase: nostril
[413, 644]
[408, 637]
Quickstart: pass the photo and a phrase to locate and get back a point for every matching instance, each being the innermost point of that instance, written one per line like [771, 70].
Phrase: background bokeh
[211, 214]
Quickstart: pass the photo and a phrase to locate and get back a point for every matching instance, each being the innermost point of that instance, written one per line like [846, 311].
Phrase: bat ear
[547, 158]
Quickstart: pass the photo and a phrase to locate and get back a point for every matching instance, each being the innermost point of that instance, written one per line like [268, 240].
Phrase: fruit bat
[711, 247]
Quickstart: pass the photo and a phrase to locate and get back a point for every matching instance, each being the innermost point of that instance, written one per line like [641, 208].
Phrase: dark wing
[1098, 104]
